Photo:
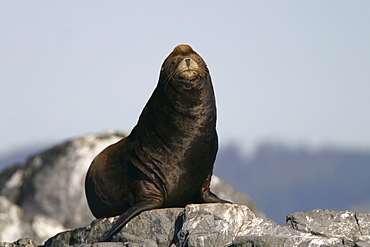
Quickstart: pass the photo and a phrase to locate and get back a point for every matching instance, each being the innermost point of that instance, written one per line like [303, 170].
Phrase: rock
[222, 225]
[150, 227]
[44, 226]
[14, 223]
[229, 193]
[203, 225]
[196, 225]
[211, 224]
[265, 232]
[349, 226]
[55, 178]
[49, 188]
[22, 242]
[11, 181]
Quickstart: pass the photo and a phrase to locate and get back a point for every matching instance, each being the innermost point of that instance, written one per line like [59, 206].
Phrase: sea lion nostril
[187, 60]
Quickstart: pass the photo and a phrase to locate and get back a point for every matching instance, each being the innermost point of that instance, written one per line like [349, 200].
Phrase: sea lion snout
[188, 69]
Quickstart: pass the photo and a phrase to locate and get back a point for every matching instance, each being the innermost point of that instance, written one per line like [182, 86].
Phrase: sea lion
[167, 160]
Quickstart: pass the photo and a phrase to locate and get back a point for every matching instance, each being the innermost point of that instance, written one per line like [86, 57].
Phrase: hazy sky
[294, 71]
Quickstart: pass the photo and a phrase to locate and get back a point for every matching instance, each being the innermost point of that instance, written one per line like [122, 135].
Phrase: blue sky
[291, 71]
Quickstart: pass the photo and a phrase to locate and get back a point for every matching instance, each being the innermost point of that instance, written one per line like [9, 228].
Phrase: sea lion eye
[173, 62]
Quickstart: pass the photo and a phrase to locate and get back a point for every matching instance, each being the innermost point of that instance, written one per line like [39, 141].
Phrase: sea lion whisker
[171, 76]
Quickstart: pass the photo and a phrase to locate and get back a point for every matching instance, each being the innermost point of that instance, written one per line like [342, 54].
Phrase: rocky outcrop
[350, 227]
[45, 197]
[48, 191]
[51, 180]
[224, 225]
[13, 221]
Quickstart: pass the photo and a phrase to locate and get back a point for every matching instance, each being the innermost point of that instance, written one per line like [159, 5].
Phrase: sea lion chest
[176, 143]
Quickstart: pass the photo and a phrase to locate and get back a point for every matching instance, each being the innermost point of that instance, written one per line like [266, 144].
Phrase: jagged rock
[223, 225]
[210, 225]
[349, 226]
[265, 232]
[11, 181]
[14, 223]
[197, 224]
[150, 227]
[44, 226]
[229, 193]
[22, 242]
[49, 188]
[55, 178]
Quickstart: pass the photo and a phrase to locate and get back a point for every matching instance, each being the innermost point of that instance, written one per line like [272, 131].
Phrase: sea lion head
[184, 68]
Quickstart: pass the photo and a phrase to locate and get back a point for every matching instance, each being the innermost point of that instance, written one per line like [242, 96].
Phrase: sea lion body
[167, 160]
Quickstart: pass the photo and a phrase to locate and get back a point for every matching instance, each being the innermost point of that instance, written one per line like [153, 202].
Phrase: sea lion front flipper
[209, 197]
[206, 196]
[127, 216]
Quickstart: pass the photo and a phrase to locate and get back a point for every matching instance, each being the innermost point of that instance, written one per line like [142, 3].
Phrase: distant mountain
[283, 179]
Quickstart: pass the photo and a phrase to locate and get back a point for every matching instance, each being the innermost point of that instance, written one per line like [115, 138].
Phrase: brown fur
[167, 159]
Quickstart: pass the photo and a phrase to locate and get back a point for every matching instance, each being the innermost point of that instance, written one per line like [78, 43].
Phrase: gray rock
[211, 224]
[196, 225]
[221, 225]
[44, 226]
[22, 242]
[201, 225]
[157, 226]
[49, 189]
[229, 193]
[265, 232]
[15, 224]
[55, 178]
[11, 181]
[349, 226]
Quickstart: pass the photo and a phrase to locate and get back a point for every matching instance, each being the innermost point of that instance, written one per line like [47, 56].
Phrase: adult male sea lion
[167, 159]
